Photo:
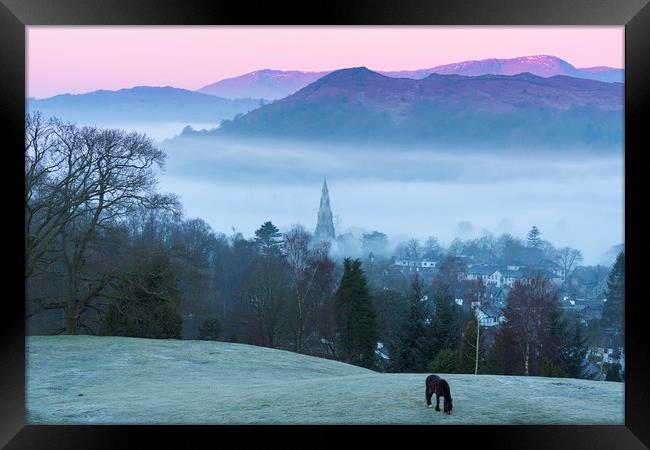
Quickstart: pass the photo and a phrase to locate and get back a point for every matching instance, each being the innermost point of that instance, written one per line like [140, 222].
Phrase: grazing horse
[436, 385]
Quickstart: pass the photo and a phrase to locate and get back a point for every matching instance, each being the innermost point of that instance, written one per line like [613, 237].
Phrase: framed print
[370, 217]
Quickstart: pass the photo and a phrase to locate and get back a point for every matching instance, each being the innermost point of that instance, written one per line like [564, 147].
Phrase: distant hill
[142, 104]
[267, 84]
[359, 105]
[540, 65]
[117, 380]
[604, 73]
[276, 84]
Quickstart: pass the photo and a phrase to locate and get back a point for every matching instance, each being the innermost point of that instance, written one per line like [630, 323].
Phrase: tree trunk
[526, 358]
[71, 304]
[71, 321]
[478, 331]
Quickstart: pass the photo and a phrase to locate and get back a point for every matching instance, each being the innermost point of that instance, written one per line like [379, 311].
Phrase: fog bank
[574, 200]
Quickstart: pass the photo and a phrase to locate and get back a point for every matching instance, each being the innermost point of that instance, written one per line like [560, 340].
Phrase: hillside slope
[142, 103]
[160, 112]
[112, 380]
[266, 83]
[359, 105]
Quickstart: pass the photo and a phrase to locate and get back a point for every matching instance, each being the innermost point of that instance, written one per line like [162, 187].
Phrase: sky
[64, 59]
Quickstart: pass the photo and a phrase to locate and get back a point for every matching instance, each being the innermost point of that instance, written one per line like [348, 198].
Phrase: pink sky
[81, 59]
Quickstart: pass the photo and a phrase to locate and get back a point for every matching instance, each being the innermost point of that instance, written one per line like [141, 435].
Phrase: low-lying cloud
[575, 200]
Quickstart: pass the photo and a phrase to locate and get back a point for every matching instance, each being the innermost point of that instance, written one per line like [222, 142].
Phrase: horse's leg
[429, 395]
[437, 402]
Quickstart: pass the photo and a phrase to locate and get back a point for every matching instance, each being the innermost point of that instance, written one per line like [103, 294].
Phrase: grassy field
[114, 380]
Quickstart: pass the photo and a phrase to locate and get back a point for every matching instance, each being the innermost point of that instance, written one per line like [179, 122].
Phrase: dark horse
[436, 385]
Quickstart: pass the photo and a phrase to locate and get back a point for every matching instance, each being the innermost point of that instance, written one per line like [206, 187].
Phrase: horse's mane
[445, 388]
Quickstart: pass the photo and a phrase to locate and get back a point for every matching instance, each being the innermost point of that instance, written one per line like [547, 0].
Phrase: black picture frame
[15, 15]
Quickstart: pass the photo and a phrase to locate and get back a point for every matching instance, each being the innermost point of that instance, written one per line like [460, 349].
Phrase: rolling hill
[142, 104]
[267, 84]
[115, 380]
[359, 105]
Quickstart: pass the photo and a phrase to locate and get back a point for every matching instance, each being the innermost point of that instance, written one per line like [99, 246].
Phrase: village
[481, 273]
[581, 291]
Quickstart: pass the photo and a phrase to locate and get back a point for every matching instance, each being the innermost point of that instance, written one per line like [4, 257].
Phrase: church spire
[325, 224]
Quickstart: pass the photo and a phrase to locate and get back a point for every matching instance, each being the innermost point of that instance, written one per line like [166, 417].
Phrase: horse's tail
[445, 388]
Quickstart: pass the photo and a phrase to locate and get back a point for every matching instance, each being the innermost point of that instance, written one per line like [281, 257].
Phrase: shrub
[613, 373]
[551, 370]
[444, 362]
[146, 302]
[210, 329]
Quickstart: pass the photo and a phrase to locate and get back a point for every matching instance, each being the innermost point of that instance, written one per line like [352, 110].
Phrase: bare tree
[56, 185]
[297, 254]
[264, 294]
[308, 269]
[568, 258]
[414, 249]
[531, 321]
[433, 248]
[79, 180]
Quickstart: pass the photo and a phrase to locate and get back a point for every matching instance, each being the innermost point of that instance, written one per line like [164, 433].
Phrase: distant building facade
[416, 264]
[507, 276]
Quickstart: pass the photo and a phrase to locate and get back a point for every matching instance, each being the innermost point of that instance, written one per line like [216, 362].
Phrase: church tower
[325, 225]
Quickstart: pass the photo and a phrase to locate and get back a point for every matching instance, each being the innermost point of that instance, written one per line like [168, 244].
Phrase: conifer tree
[613, 312]
[466, 362]
[444, 362]
[534, 239]
[574, 351]
[613, 372]
[412, 346]
[355, 317]
[268, 239]
[446, 324]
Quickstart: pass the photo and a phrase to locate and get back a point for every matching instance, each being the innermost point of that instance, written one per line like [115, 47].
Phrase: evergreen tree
[613, 372]
[502, 358]
[355, 317]
[209, 330]
[391, 308]
[613, 312]
[466, 362]
[534, 239]
[268, 239]
[446, 325]
[444, 362]
[574, 351]
[552, 335]
[412, 344]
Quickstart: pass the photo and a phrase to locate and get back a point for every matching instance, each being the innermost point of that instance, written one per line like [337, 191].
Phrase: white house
[482, 272]
[488, 316]
[416, 264]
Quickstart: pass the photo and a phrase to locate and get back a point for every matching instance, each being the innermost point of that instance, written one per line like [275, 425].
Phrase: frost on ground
[115, 380]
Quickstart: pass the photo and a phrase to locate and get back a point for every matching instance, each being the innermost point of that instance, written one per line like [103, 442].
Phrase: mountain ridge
[278, 84]
[357, 104]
